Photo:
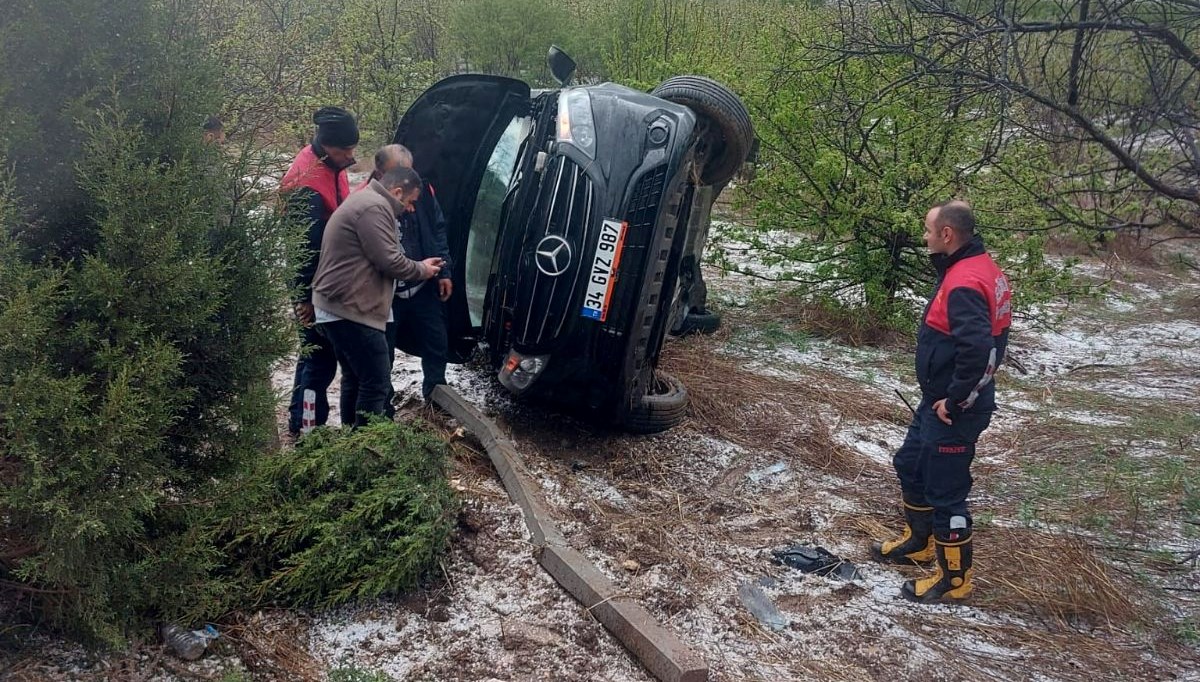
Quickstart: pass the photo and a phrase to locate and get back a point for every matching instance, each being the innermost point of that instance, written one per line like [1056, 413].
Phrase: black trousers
[313, 372]
[362, 352]
[934, 463]
[420, 329]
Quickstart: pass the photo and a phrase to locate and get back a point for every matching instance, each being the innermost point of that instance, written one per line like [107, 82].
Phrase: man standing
[420, 317]
[960, 344]
[316, 184]
[361, 259]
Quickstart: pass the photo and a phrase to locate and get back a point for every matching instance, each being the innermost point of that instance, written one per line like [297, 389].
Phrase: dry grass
[1058, 579]
[1038, 653]
[843, 325]
[794, 417]
[272, 646]
[1119, 248]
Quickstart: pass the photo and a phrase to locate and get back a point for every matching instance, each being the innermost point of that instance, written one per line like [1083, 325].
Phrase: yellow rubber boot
[951, 579]
[915, 544]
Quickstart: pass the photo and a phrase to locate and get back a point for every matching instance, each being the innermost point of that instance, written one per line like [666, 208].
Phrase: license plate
[604, 270]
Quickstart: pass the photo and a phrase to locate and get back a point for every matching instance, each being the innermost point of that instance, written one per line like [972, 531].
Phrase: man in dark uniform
[419, 317]
[315, 185]
[961, 342]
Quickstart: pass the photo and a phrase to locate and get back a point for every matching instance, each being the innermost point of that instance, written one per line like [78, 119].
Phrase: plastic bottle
[188, 644]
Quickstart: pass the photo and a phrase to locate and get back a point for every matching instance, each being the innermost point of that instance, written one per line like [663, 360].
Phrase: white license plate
[604, 270]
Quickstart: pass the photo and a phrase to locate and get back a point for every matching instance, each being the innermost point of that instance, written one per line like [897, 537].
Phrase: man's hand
[432, 267]
[445, 288]
[305, 314]
[940, 408]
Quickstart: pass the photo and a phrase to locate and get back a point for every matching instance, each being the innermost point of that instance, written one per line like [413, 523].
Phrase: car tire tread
[720, 106]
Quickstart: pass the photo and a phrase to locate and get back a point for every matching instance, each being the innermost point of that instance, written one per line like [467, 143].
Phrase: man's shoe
[915, 544]
[951, 579]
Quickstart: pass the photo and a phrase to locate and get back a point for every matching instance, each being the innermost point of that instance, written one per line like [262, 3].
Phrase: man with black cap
[315, 185]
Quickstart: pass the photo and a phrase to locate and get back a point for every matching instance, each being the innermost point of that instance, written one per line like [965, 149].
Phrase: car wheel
[663, 407]
[700, 322]
[730, 135]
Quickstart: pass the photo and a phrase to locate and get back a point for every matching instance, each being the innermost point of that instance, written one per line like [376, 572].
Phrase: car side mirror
[562, 67]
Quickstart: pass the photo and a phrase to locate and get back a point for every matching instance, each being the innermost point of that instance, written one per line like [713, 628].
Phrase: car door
[453, 130]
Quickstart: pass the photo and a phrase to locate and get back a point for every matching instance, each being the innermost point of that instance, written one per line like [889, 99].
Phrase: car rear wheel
[663, 407]
[727, 132]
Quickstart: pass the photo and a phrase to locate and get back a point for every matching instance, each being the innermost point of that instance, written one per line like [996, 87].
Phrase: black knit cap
[335, 127]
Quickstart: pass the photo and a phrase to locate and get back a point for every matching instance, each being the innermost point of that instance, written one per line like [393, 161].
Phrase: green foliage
[344, 516]
[133, 379]
[850, 164]
[63, 61]
[509, 37]
[139, 327]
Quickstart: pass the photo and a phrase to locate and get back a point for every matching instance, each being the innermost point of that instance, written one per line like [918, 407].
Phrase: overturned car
[577, 217]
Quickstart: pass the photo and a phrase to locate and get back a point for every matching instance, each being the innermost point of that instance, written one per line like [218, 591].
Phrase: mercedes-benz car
[576, 221]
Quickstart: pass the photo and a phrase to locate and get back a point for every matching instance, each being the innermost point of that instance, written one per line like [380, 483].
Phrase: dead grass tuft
[828, 320]
[1128, 248]
[272, 646]
[1057, 578]
[793, 417]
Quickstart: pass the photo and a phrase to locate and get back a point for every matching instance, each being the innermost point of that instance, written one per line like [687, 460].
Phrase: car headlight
[575, 123]
[520, 371]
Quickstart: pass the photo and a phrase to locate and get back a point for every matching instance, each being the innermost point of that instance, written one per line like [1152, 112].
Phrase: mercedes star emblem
[553, 255]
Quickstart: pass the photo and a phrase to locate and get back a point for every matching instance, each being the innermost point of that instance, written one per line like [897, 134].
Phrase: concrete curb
[663, 654]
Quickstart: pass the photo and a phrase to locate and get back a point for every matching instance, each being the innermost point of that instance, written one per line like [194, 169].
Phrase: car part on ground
[817, 560]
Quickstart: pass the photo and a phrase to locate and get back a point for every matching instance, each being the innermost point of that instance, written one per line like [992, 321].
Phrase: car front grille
[565, 213]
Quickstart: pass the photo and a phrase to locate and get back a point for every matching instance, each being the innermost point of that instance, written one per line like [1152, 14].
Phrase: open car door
[452, 130]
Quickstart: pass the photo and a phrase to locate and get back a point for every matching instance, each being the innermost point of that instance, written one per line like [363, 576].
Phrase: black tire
[700, 322]
[663, 407]
[731, 136]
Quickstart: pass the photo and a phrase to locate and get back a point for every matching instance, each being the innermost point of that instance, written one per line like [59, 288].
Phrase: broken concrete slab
[758, 603]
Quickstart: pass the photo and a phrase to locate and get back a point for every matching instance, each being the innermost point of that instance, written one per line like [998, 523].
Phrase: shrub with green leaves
[139, 317]
[345, 515]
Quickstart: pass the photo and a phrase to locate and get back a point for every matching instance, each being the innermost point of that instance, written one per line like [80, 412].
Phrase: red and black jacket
[315, 189]
[964, 331]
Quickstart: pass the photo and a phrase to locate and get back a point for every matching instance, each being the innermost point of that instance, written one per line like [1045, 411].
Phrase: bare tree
[1099, 95]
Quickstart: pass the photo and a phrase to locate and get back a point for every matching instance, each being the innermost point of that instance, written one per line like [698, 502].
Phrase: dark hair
[958, 215]
[402, 177]
[213, 124]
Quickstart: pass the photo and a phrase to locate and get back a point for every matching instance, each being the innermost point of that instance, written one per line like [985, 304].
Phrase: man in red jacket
[315, 185]
[961, 342]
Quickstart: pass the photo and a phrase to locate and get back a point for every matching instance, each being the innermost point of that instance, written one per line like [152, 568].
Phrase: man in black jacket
[418, 308]
[315, 185]
[961, 342]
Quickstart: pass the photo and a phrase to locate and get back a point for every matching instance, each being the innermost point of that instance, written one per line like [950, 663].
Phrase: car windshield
[489, 209]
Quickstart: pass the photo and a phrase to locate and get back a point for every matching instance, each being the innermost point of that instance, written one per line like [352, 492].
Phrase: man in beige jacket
[361, 259]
